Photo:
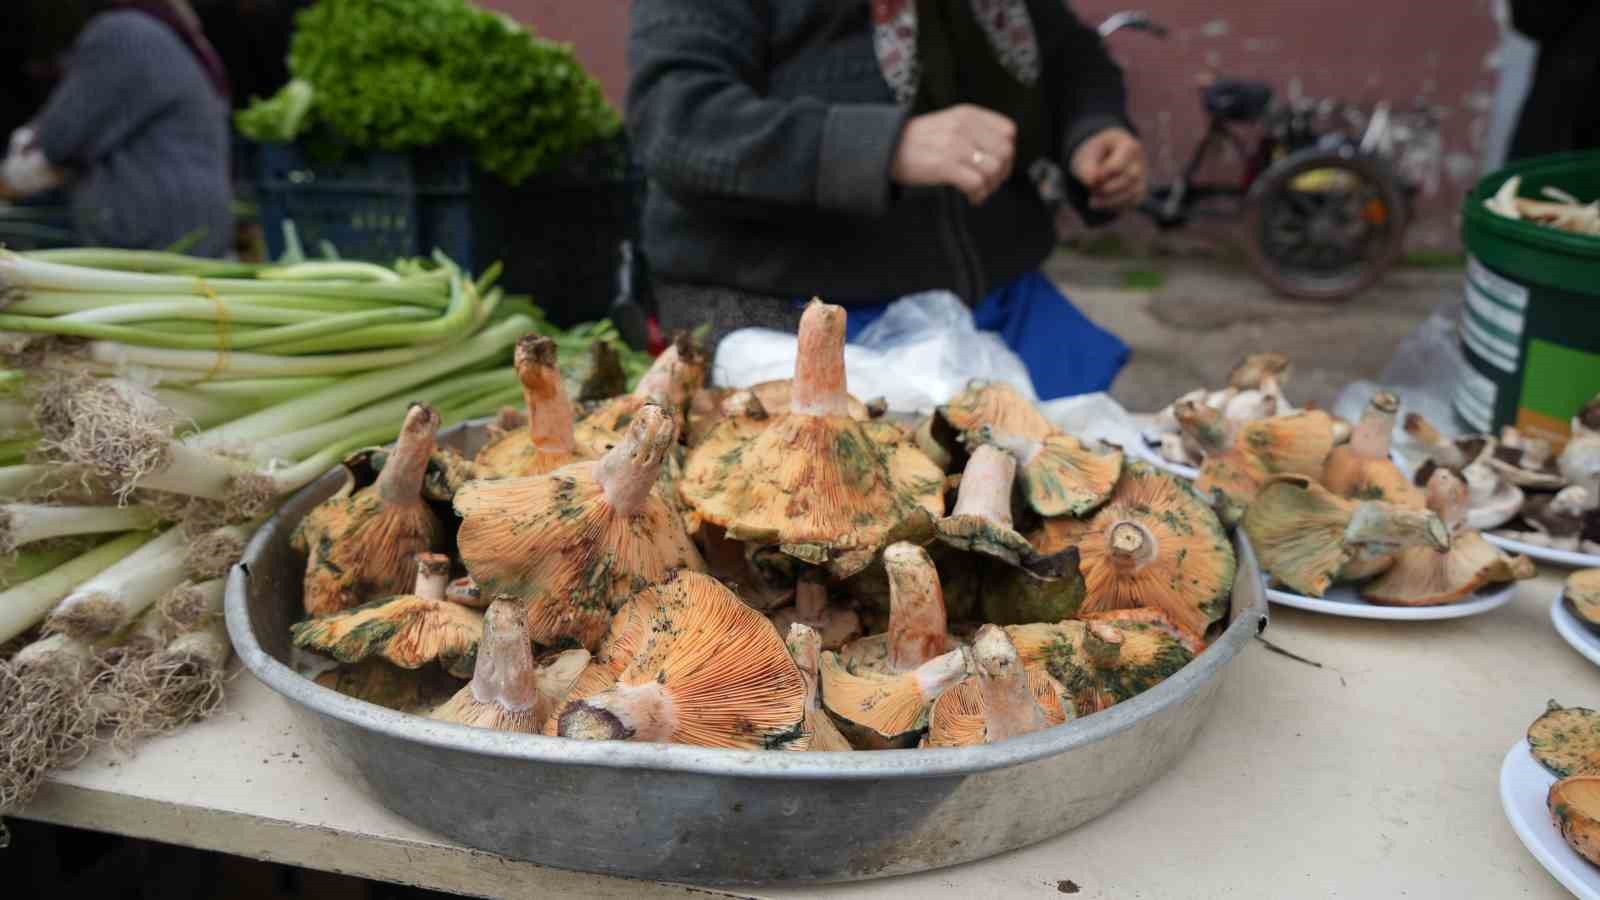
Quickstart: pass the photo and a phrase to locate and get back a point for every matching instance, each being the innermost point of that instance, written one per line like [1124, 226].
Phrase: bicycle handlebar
[1133, 20]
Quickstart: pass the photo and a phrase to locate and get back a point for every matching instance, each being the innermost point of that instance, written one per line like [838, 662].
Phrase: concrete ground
[1206, 314]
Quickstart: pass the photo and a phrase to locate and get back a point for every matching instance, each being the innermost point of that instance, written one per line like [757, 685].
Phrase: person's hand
[1111, 165]
[967, 147]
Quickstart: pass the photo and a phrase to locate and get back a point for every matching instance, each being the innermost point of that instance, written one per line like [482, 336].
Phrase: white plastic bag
[921, 352]
[1422, 374]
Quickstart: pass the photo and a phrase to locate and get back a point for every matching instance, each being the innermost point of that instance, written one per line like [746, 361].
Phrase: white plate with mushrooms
[1344, 600]
[1574, 632]
[1549, 555]
[1524, 785]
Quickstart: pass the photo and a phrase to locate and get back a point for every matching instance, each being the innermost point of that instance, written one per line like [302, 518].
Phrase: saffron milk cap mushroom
[1362, 468]
[1582, 595]
[363, 544]
[1000, 700]
[805, 646]
[547, 441]
[575, 543]
[507, 691]
[710, 672]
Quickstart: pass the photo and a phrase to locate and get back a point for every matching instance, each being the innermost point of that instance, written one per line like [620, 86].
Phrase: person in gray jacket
[863, 150]
[137, 133]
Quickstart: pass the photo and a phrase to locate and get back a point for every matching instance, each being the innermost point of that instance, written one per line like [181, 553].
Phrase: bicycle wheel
[1323, 224]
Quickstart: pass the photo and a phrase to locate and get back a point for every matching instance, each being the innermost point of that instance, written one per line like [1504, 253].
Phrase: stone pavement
[1207, 314]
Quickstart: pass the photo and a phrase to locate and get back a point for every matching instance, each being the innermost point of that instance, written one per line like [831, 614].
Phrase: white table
[1374, 776]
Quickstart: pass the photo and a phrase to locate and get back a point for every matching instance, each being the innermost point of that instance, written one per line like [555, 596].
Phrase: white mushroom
[1491, 500]
[1580, 460]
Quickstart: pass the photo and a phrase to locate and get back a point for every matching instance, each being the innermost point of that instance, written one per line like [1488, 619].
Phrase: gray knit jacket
[767, 129]
[146, 135]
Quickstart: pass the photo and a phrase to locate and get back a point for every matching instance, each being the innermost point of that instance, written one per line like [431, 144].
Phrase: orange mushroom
[712, 405]
[1306, 536]
[547, 442]
[362, 544]
[507, 692]
[1296, 444]
[1102, 663]
[999, 406]
[918, 627]
[409, 630]
[1362, 469]
[805, 646]
[1423, 576]
[1157, 544]
[813, 481]
[1000, 700]
[836, 625]
[709, 671]
[573, 544]
[671, 381]
[878, 710]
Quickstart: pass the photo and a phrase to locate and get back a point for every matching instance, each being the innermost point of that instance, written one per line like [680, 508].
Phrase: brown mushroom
[1157, 544]
[1526, 462]
[507, 691]
[547, 443]
[1306, 536]
[1296, 444]
[805, 647]
[1454, 453]
[1362, 468]
[820, 485]
[1423, 576]
[1000, 700]
[574, 543]
[710, 672]
[409, 630]
[362, 544]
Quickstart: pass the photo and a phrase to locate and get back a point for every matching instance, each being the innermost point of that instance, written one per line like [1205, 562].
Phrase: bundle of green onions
[153, 409]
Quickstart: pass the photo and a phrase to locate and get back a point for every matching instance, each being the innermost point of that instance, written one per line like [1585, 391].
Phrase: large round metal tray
[691, 814]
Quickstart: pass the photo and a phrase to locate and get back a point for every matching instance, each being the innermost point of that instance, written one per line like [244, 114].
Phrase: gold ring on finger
[978, 156]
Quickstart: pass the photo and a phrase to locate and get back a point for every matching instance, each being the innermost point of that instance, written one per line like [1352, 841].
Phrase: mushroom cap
[711, 405]
[557, 542]
[1582, 596]
[1574, 805]
[1063, 477]
[878, 711]
[1101, 663]
[1185, 563]
[805, 647]
[406, 630]
[382, 683]
[1249, 373]
[726, 673]
[981, 520]
[1154, 618]
[775, 397]
[360, 546]
[1296, 444]
[812, 481]
[1565, 739]
[1349, 474]
[1297, 528]
[1422, 576]
[1050, 590]
[959, 716]
[998, 405]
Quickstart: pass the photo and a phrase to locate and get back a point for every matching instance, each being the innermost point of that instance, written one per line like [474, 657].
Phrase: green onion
[21, 607]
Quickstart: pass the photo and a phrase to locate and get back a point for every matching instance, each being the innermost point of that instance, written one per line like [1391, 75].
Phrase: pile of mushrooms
[1204, 422]
[1319, 512]
[780, 567]
[1520, 486]
[1559, 209]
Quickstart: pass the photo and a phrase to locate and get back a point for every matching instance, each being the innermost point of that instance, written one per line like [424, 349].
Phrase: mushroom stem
[1131, 545]
[1370, 439]
[1447, 496]
[986, 486]
[1375, 522]
[1022, 450]
[805, 646]
[628, 471]
[1203, 424]
[623, 712]
[401, 478]
[819, 376]
[1443, 450]
[504, 673]
[941, 673]
[1103, 645]
[550, 416]
[810, 599]
[917, 623]
[433, 573]
[1003, 684]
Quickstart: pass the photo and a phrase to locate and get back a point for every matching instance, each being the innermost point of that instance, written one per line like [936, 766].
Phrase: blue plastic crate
[373, 206]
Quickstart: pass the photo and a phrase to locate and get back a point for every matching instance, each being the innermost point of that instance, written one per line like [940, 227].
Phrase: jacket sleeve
[1092, 94]
[112, 88]
[1545, 20]
[706, 133]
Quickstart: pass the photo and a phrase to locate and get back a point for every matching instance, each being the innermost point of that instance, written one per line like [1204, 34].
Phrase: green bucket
[1531, 327]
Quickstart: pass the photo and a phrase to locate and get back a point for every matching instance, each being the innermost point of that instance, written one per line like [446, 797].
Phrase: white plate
[1153, 456]
[1572, 630]
[1524, 785]
[1545, 554]
[1343, 600]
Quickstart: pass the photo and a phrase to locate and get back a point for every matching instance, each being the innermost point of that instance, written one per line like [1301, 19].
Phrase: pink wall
[1359, 50]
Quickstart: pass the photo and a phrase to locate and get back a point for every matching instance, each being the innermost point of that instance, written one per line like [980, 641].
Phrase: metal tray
[709, 816]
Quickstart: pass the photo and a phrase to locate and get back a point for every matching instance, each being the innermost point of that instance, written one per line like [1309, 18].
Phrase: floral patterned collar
[1005, 22]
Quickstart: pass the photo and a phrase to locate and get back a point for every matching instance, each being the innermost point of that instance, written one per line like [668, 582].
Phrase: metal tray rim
[896, 764]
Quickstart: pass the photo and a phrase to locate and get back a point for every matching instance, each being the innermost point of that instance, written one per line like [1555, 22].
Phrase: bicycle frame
[1171, 205]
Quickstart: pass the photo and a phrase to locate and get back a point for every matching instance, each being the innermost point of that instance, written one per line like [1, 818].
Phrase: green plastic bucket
[1531, 327]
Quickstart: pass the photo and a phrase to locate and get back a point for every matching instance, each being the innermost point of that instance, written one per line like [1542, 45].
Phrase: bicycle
[1325, 213]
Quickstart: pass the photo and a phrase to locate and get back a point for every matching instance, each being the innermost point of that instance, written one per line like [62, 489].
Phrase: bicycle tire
[1349, 280]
